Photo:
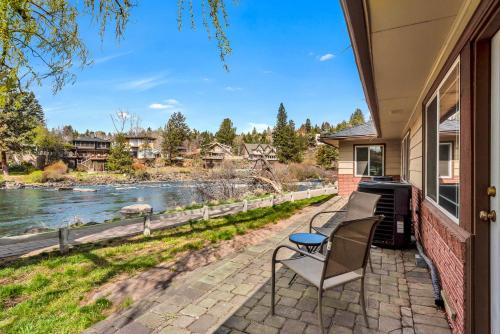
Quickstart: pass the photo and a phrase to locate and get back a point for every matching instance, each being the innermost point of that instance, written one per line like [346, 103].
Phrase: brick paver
[233, 296]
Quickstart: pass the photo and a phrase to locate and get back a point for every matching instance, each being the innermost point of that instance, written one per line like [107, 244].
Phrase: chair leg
[320, 310]
[370, 261]
[362, 300]
[273, 284]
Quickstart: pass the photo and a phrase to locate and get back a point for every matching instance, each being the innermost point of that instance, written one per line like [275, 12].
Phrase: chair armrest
[315, 256]
[320, 213]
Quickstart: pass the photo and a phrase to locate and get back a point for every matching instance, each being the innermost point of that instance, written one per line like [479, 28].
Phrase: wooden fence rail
[65, 237]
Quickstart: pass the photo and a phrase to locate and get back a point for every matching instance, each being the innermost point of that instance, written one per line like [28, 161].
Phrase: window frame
[435, 95]
[355, 147]
[405, 157]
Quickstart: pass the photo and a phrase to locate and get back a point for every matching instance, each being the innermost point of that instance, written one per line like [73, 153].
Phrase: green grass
[48, 293]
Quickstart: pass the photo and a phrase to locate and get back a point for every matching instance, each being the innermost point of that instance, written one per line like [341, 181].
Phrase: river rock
[13, 185]
[36, 229]
[85, 190]
[65, 188]
[136, 209]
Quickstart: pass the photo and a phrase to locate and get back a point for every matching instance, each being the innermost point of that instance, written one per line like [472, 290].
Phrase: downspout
[436, 281]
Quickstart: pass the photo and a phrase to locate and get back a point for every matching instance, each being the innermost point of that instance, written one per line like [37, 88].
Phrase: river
[22, 209]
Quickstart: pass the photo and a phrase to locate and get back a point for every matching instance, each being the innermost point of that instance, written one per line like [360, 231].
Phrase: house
[142, 147]
[430, 72]
[215, 153]
[253, 152]
[89, 153]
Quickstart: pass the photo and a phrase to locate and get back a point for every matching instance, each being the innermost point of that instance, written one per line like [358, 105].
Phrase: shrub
[22, 168]
[138, 166]
[142, 174]
[55, 171]
[35, 177]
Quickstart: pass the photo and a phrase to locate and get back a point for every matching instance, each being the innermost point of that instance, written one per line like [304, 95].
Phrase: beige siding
[392, 155]
[416, 160]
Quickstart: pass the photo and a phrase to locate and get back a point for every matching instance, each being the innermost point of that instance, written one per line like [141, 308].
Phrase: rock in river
[85, 190]
[136, 209]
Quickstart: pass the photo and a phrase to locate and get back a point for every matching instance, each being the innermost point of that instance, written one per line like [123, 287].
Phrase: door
[495, 181]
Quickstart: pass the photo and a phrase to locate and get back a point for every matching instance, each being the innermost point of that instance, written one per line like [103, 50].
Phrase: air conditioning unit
[395, 230]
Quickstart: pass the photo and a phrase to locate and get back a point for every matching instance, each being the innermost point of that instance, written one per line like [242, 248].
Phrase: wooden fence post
[63, 240]
[147, 223]
[308, 193]
[272, 200]
[292, 199]
[245, 205]
[206, 215]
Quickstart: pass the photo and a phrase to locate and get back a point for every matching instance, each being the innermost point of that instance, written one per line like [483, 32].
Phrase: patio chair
[347, 254]
[360, 205]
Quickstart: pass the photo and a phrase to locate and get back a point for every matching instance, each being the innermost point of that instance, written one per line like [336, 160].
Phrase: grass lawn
[47, 293]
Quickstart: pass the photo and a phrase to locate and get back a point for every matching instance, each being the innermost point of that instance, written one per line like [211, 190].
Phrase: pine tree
[206, 138]
[119, 159]
[226, 133]
[357, 118]
[285, 139]
[326, 155]
[307, 126]
[174, 134]
[18, 121]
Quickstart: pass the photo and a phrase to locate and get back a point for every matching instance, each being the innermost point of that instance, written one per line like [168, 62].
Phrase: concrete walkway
[233, 296]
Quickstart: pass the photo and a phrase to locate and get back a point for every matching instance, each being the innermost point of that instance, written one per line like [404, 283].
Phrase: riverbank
[27, 294]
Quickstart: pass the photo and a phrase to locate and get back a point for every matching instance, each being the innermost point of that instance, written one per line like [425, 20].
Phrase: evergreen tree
[50, 144]
[285, 139]
[206, 138]
[18, 121]
[326, 155]
[174, 134]
[357, 118]
[226, 133]
[307, 126]
[119, 158]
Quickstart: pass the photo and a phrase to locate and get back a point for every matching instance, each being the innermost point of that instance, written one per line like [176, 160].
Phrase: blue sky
[290, 51]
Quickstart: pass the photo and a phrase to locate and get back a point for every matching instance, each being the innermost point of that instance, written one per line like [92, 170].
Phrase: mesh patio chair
[360, 205]
[347, 254]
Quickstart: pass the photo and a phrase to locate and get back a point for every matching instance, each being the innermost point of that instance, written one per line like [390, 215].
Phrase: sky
[291, 51]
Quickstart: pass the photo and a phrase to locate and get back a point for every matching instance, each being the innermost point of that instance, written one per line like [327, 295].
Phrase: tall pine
[226, 133]
[174, 134]
[285, 139]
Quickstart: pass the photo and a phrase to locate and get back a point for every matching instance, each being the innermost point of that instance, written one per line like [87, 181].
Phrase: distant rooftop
[91, 139]
[363, 130]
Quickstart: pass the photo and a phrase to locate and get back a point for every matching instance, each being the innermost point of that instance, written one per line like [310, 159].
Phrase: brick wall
[445, 243]
[349, 183]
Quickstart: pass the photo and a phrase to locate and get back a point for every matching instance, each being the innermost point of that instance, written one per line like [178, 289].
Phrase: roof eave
[355, 17]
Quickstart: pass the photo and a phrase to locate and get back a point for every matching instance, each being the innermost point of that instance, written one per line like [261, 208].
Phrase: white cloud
[326, 57]
[233, 89]
[110, 57]
[143, 84]
[169, 104]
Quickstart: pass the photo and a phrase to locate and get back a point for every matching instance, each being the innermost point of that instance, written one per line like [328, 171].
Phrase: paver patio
[233, 296]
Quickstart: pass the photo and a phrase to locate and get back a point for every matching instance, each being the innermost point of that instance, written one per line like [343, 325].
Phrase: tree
[326, 155]
[206, 138]
[18, 120]
[174, 134]
[40, 39]
[119, 159]
[357, 118]
[226, 133]
[285, 139]
[50, 144]
[307, 126]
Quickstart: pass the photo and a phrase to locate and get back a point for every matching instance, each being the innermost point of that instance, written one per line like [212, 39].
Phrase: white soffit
[406, 38]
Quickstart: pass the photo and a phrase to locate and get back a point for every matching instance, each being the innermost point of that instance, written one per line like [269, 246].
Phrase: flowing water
[24, 209]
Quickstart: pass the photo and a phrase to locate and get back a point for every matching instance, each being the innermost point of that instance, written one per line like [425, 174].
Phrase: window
[369, 160]
[442, 180]
[405, 158]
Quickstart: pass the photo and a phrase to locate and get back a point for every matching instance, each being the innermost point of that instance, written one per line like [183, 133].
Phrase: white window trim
[436, 95]
[450, 160]
[405, 153]
[356, 160]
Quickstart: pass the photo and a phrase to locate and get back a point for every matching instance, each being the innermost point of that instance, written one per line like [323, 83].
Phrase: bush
[55, 172]
[22, 168]
[142, 175]
[35, 177]
[138, 166]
